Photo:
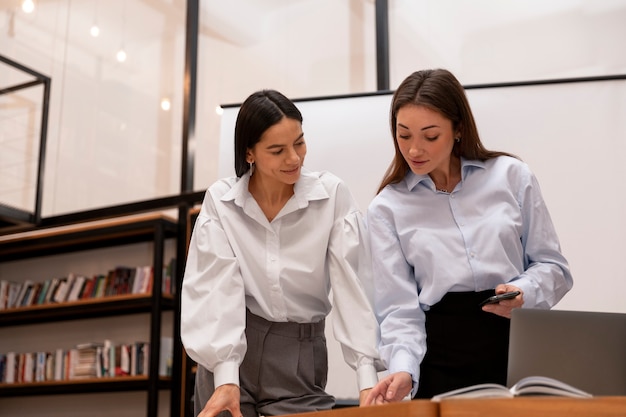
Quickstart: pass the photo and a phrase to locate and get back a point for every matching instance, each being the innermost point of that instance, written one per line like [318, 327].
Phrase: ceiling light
[121, 55]
[28, 6]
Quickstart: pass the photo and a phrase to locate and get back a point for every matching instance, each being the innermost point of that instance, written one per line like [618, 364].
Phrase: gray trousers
[284, 371]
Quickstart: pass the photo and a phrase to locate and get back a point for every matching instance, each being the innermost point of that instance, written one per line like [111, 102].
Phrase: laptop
[584, 349]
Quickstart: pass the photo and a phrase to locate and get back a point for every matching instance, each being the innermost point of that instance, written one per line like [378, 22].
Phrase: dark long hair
[260, 111]
[438, 90]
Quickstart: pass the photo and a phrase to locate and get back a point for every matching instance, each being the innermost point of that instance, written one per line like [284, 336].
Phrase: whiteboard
[572, 135]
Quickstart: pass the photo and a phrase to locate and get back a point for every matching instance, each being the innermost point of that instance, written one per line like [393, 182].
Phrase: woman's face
[425, 138]
[279, 154]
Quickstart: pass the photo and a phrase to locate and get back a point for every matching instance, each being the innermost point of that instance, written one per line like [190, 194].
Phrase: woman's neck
[271, 196]
[446, 180]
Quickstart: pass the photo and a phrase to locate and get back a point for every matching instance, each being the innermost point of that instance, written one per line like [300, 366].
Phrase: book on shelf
[139, 355]
[54, 283]
[141, 277]
[119, 281]
[88, 363]
[529, 386]
[22, 294]
[5, 294]
[169, 277]
[74, 292]
[100, 286]
[40, 366]
[27, 367]
[10, 368]
[106, 357]
[49, 372]
[14, 290]
[32, 294]
[165, 356]
[88, 288]
[124, 368]
[62, 289]
[59, 356]
[84, 361]
[73, 287]
[147, 275]
[44, 290]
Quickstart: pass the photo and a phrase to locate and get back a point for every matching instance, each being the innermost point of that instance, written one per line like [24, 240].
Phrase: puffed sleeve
[354, 323]
[212, 300]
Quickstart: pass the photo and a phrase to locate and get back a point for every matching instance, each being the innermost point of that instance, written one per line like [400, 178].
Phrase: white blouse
[281, 270]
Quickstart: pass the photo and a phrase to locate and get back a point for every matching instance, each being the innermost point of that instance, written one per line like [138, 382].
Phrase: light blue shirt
[493, 228]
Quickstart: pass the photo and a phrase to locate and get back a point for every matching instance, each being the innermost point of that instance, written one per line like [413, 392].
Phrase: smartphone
[499, 297]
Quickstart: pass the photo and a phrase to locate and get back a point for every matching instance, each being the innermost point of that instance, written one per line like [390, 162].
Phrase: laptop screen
[584, 349]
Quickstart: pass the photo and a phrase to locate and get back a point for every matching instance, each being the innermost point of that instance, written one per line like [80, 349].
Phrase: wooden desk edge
[601, 406]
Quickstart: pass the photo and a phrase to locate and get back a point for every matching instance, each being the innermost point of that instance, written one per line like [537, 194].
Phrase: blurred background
[117, 72]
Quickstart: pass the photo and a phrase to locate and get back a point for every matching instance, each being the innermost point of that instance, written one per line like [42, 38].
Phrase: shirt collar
[308, 188]
[412, 180]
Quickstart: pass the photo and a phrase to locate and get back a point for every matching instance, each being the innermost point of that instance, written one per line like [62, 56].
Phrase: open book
[532, 385]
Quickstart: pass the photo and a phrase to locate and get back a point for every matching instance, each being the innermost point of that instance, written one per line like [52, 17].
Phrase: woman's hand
[225, 397]
[504, 307]
[392, 388]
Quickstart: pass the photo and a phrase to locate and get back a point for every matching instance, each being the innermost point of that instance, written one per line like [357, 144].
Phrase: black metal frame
[12, 215]
[382, 45]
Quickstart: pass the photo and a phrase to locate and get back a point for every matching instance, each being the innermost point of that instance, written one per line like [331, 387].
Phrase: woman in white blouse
[266, 250]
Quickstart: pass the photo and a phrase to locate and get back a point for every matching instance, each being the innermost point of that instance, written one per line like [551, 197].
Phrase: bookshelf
[152, 231]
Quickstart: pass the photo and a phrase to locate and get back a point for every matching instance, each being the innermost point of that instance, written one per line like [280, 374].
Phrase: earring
[457, 140]
[251, 167]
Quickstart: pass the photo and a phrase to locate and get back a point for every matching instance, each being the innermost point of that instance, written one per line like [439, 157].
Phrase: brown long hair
[440, 91]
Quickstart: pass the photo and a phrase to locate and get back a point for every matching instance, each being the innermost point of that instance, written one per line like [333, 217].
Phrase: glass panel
[20, 128]
[489, 41]
[109, 140]
[302, 48]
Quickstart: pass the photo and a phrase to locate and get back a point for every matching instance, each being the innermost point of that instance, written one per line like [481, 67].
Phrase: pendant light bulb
[121, 55]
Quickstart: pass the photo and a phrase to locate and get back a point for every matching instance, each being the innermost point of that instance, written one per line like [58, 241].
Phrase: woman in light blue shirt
[453, 223]
[267, 248]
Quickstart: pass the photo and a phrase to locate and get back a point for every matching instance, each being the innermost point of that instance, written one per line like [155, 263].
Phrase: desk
[415, 408]
[535, 407]
[488, 407]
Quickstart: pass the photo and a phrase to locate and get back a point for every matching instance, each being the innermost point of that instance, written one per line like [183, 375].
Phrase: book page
[541, 385]
[476, 391]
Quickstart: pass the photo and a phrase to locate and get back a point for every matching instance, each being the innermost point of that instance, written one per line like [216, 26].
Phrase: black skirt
[464, 345]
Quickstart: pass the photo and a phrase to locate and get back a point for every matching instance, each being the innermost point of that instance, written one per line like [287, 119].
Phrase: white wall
[572, 135]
